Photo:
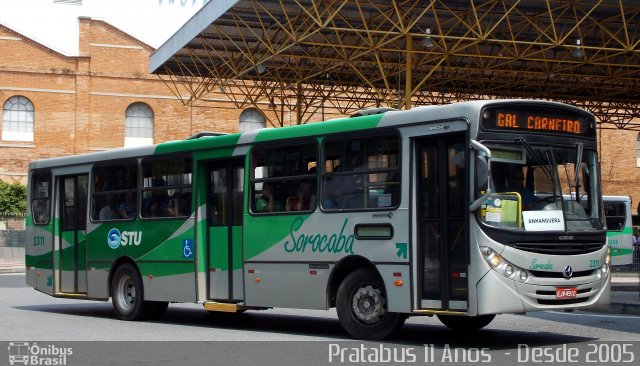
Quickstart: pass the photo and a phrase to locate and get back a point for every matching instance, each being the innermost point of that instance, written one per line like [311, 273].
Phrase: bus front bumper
[498, 294]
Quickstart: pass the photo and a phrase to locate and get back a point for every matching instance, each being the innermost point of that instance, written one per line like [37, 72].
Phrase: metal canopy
[300, 55]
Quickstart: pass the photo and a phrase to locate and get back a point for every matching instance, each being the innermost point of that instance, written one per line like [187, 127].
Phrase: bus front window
[542, 189]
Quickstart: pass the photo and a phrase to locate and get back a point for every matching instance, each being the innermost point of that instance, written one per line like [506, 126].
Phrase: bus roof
[469, 110]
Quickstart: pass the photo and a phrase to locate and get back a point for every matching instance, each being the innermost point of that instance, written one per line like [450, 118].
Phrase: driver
[516, 184]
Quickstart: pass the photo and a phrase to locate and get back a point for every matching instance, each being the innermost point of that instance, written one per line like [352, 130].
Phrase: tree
[13, 197]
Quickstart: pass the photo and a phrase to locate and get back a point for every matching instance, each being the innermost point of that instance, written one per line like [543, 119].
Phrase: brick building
[56, 105]
[105, 98]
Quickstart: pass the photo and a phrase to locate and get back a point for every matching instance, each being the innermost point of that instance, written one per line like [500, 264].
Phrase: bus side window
[114, 188]
[361, 173]
[615, 215]
[41, 198]
[284, 179]
[166, 187]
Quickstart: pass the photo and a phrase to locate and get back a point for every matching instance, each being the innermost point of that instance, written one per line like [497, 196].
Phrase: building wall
[80, 104]
[620, 172]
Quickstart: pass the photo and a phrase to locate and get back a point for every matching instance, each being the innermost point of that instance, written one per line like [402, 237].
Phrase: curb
[617, 308]
[621, 308]
[627, 288]
[12, 270]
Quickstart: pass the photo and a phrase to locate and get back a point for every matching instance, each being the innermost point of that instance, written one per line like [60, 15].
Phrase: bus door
[72, 246]
[441, 223]
[225, 204]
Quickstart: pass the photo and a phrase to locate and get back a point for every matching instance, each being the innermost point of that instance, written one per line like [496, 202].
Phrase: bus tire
[127, 294]
[466, 323]
[362, 307]
[156, 309]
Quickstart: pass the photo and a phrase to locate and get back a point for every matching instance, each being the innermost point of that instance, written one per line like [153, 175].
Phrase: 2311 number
[38, 241]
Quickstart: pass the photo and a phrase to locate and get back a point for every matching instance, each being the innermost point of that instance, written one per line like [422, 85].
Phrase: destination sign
[532, 120]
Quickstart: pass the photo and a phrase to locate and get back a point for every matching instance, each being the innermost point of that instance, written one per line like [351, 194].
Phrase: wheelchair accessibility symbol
[187, 248]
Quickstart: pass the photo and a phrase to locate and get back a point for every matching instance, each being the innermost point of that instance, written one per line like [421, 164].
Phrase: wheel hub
[127, 293]
[368, 304]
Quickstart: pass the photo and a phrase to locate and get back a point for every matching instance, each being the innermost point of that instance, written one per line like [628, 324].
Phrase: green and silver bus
[617, 212]
[459, 211]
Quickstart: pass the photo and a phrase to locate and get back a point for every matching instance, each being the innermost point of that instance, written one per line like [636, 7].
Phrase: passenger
[154, 210]
[127, 207]
[160, 198]
[342, 191]
[302, 200]
[268, 203]
[177, 205]
[109, 211]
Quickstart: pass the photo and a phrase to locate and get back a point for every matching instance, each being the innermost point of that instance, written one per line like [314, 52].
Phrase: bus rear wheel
[362, 307]
[466, 323]
[127, 294]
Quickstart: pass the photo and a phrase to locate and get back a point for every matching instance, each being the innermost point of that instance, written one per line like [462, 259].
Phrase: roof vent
[372, 111]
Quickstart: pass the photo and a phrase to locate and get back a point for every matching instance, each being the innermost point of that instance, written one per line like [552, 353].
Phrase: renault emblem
[568, 272]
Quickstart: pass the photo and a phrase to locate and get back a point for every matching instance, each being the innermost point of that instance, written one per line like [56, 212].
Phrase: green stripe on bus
[227, 142]
[319, 128]
[625, 231]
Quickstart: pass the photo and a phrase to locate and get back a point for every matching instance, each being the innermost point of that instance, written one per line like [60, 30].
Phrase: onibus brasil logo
[115, 238]
[25, 353]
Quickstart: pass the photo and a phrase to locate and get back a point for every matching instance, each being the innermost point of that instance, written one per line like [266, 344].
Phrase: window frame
[178, 187]
[362, 135]
[7, 122]
[132, 128]
[241, 121]
[136, 189]
[622, 218]
[304, 142]
[47, 198]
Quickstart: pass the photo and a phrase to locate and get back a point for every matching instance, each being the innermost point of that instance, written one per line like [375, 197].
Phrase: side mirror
[482, 173]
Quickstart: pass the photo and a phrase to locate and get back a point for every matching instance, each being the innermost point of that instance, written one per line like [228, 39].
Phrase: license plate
[566, 292]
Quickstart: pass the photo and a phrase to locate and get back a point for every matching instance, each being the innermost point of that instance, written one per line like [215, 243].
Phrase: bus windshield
[543, 188]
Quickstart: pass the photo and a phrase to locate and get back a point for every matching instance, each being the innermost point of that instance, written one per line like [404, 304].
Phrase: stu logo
[115, 238]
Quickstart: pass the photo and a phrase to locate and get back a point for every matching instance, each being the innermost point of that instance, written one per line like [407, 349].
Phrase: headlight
[503, 266]
[524, 276]
[495, 260]
[508, 270]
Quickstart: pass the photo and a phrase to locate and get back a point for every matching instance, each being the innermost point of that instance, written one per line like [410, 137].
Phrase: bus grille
[559, 248]
[544, 274]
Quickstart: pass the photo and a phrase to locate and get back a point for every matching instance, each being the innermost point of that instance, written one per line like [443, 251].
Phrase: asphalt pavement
[625, 290]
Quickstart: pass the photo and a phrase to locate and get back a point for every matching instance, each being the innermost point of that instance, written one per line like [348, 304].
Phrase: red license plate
[566, 292]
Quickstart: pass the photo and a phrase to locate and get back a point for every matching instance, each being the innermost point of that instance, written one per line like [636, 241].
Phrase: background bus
[617, 211]
[457, 211]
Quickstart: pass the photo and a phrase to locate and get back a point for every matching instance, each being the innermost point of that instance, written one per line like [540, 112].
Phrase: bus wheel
[127, 294]
[362, 307]
[466, 323]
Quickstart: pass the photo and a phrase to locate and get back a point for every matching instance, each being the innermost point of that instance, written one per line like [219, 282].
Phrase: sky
[56, 25]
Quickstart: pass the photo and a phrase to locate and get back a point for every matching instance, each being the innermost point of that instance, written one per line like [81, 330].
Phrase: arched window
[17, 119]
[251, 119]
[138, 125]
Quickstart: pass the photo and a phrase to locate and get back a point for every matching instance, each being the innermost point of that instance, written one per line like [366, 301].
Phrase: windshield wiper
[544, 166]
[552, 158]
[576, 183]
